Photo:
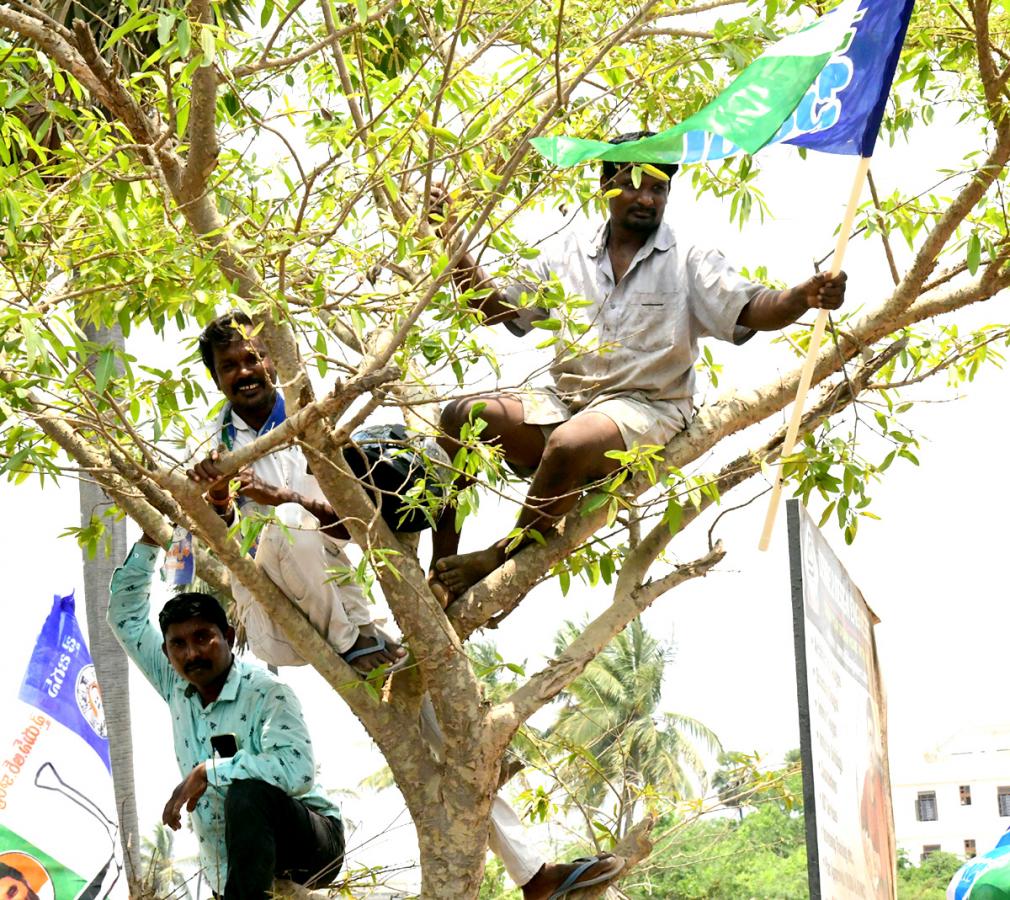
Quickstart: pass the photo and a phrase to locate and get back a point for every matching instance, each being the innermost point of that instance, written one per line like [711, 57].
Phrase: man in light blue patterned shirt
[240, 740]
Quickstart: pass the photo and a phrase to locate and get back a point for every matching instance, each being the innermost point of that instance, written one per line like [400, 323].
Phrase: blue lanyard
[277, 415]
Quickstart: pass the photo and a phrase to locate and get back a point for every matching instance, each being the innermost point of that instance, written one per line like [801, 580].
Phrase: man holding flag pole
[624, 370]
[822, 88]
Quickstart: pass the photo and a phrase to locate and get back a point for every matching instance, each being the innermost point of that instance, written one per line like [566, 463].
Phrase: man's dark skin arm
[467, 275]
[257, 490]
[771, 310]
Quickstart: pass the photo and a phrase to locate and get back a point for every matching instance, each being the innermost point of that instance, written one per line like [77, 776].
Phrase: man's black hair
[220, 333]
[7, 871]
[192, 605]
[610, 169]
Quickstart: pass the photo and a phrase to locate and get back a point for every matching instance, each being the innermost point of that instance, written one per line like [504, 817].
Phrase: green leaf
[105, 369]
[207, 45]
[673, 516]
[184, 38]
[165, 22]
[565, 581]
[117, 226]
[120, 190]
[595, 502]
[974, 253]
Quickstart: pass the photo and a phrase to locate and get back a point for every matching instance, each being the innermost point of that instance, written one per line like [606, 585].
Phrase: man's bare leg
[521, 444]
[574, 456]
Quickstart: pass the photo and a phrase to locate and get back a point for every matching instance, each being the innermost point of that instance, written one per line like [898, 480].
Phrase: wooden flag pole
[815, 345]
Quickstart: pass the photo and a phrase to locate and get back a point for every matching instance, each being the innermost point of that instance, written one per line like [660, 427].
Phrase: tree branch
[545, 685]
[56, 46]
[202, 127]
[925, 259]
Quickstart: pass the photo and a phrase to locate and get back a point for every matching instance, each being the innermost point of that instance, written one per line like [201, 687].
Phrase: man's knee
[248, 798]
[580, 447]
[456, 414]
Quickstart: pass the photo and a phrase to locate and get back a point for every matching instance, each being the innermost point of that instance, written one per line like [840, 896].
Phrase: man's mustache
[248, 382]
[196, 664]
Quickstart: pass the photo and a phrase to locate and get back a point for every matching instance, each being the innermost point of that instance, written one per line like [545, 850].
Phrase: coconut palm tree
[161, 876]
[613, 741]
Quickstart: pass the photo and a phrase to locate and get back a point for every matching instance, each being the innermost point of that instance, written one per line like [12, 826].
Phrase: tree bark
[111, 664]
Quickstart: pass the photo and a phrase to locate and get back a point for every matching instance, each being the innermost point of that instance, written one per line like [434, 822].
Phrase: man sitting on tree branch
[624, 368]
[300, 556]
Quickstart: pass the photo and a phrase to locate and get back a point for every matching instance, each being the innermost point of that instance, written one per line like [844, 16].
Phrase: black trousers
[270, 834]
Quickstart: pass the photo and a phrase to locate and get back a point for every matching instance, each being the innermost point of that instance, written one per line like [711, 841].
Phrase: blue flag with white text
[60, 680]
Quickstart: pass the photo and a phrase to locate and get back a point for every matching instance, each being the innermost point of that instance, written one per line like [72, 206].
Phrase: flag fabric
[824, 88]
[61, 681]
[986, 877]
[58, 831]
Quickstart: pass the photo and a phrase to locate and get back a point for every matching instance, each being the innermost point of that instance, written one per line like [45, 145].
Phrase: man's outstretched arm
[129, 615]
[771, 310]
[256, 489]
[467, 275]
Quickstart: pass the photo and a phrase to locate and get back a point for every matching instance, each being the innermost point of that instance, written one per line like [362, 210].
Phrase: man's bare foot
[383, 650]
[552, 875]
[442, 594]
[461, 572]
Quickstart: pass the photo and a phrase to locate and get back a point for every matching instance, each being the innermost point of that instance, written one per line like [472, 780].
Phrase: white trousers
[508, 838]
[297, 562]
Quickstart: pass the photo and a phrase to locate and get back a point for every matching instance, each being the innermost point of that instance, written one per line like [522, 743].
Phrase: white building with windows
[957, 798]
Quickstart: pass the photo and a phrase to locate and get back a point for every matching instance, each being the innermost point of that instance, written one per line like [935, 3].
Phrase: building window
[1003, 797]
[966, 795]
[927, 850]
[925, 805]
[969, 848]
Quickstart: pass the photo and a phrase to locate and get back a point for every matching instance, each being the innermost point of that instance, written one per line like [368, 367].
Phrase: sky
[933, 568]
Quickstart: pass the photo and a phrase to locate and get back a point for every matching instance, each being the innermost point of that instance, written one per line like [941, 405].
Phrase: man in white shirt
[300, 557]
[624, 365]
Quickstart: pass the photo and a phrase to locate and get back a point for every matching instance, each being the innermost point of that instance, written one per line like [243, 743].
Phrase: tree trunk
[111, 664]
[453, 852]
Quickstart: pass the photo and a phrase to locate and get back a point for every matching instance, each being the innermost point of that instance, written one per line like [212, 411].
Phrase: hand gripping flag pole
[816, 336]
[823, 88]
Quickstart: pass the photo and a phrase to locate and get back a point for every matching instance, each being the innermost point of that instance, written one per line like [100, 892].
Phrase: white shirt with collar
[638, 335]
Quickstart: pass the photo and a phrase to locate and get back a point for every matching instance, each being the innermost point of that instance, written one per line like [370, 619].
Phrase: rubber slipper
[572, 882]
[377, 647]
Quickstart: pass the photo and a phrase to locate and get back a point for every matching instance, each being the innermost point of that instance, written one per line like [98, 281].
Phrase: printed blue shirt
[263, 713]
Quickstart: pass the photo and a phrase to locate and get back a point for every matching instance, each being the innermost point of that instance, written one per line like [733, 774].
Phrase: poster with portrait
[58, 831]
[843, 725]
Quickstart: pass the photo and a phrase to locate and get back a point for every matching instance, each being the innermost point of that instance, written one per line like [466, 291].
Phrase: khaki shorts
[640, 420]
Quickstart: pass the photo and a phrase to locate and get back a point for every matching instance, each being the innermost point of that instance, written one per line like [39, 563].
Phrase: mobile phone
[225, 745]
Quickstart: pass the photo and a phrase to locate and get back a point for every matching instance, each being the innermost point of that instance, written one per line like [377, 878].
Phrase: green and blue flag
[823, 88]
[986, 877]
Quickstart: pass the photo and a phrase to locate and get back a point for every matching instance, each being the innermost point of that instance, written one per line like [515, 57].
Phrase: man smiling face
[245, 374]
